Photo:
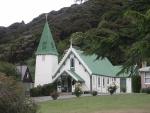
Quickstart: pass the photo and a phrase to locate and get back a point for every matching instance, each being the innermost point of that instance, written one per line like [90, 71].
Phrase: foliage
[8, 69]
[112, 88]
[136, 84]
[78, 91]
[54, 95]
[123, 36]
[94, 93]
[146, 90]
[12, 97]
[44, 90]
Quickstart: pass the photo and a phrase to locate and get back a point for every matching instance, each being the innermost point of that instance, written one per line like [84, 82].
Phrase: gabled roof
[22, 70]
[100, 66]
[46, 45]
[74, 75]
[145, 69]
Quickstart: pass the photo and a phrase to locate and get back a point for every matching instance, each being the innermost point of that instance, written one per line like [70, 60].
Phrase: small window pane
[147, 80]
[99, 81]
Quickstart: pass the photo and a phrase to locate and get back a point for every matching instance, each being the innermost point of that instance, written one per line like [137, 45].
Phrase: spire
[47, 44]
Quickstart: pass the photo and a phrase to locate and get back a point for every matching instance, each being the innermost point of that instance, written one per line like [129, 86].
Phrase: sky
[12, 11]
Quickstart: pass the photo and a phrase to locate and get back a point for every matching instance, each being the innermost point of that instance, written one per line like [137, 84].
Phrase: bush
[44, 90]
[112, 88]
[12, 97]
[123, 89]
[54, 95]
[94, 93]
[146, 90]
[78, 90]
[136, 84]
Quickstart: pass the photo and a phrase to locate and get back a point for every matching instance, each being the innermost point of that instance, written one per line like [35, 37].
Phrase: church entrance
[67, 80]
[66, 85]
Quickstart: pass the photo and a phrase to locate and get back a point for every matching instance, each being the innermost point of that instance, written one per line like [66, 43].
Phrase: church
[76, 67]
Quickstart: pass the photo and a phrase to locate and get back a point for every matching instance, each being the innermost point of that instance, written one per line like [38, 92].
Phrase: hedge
[136, 84]
[44, 90]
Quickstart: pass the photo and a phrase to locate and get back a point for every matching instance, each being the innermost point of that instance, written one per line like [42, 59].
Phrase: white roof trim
[71, 49]
[62, 61]
[84, 64]
[66, 72]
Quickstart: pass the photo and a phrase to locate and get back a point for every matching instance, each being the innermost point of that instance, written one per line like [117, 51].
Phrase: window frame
[146, 77]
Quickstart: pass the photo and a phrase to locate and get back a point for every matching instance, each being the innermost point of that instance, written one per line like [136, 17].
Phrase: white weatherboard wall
[128, 85]
[45, 67]
[79, 69]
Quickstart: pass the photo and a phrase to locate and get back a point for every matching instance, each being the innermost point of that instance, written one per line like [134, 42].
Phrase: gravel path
[47, 98]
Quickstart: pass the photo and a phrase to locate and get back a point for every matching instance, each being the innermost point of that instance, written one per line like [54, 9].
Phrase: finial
[46, 15]
[71, 42]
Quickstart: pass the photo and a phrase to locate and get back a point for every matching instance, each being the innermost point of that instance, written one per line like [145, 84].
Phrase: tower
[46, 58]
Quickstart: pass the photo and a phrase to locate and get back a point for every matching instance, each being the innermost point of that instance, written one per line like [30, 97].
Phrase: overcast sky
[17, 10]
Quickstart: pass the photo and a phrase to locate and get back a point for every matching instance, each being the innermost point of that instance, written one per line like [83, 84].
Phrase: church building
[76, 67]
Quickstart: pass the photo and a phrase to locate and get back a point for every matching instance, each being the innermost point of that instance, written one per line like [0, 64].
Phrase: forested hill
[19, 41]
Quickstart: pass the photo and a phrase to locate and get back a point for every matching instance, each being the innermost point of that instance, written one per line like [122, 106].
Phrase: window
[27, 76]
[72, 63]
[99, 81]
[103, 82]
[147, 77]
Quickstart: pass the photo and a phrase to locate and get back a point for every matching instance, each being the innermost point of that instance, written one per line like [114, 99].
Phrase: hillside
[19, 41]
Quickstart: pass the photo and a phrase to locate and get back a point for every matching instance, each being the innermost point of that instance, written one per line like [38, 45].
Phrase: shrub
[136, 84]
[112, 88]
[12, 97]
[44, 90]
[54, 95]
[78, 90]
[123, 89]
[94, 93]
[146, 90]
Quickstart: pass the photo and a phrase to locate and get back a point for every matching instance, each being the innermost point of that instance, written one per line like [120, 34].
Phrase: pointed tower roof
[47, 44]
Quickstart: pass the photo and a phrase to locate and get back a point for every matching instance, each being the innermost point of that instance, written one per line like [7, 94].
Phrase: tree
[13, 99]
[124, 39]
[8, 69]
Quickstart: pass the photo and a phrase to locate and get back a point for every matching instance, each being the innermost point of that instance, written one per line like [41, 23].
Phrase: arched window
[72, 63]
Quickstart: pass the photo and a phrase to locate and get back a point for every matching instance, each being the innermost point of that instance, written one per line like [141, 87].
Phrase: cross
[71, 42]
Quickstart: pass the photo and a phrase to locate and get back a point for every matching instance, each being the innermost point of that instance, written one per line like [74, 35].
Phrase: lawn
[126, 103]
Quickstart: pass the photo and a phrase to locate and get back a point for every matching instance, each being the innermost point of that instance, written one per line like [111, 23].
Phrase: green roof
[47, 44]
[100, 66]
[76, 76]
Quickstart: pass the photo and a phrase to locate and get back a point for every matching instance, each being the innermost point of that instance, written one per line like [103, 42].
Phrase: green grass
[131, 103]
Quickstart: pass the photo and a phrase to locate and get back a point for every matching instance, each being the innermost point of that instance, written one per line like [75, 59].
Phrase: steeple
[47, 44]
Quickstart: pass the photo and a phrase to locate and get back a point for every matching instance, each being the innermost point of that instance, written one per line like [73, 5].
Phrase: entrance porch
[67, 80]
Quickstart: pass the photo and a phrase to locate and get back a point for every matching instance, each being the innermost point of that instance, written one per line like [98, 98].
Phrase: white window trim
[146, 78]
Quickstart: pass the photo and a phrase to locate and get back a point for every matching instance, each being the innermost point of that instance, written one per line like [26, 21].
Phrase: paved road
[47, 98]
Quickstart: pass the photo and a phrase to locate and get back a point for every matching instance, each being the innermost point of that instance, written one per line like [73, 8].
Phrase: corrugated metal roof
[101, 66]
[76, 76]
